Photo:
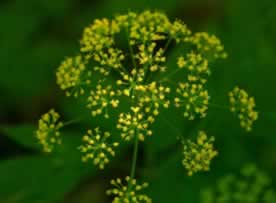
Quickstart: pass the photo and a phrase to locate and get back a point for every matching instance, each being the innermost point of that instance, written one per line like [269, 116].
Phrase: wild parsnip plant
[106, 74]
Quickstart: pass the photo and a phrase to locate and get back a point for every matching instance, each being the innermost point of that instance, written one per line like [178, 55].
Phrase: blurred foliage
[37, 34]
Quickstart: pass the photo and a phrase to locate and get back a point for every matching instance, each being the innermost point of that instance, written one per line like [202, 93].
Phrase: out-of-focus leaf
[171, 184]
[38, 179]
[22, 134]
[41, 178]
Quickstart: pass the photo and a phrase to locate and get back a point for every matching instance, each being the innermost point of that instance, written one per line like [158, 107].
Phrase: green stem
[170, 75]
[130, 49]
[132, 56]
[72, 121]
[167, 44]
[134, 157]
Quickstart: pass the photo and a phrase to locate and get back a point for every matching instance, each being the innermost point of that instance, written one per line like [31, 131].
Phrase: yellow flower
[194, 98]
[96, 147]
[196, 67]
[124, 21]
[129, 193]
[129, 82]
[72, 76]
[48, 134]
[208, 45]
[243, 106]
[152, 96]
[100, 99]
[99, 35]
[198, 155]
[179, 31]
[148, 56]
[108, 60]
[148, 26]
[181, 62]
[134, 124]
[139, 83]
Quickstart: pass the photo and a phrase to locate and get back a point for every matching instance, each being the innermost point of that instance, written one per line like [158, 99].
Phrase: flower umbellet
[129, 192]
[134, 124]
[100, 99]
[198, 155]
[48, 132]
[193, 98]
[108, 76]
[197, 67]
[244, 106]
[96, 147]
[72, 76]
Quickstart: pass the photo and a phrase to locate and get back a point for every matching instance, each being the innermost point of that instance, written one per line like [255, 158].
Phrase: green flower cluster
[251, 186]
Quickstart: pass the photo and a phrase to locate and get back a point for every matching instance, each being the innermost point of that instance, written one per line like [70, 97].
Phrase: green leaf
[22, 134]
[38, 179]
[171, 184]
[45, 177]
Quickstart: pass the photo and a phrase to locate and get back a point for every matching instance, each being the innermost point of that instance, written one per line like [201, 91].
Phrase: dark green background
[35, 35]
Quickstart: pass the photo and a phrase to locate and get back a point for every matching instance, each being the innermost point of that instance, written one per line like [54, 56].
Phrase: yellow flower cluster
[243, 106]
[129, 193]
[100, 99]
[110, 59]
[130, 82]
[149, 34]
[198, 155]
[179, 32]
[48, 134]
[147, 56]
[147, 27]
[99, 35]
[208, 45]
[138, 77]
[194, 98]
[152, 96]
[126, 20]
[72, 76]
[250, 186]
[144, 30]
[134, 124]
[96, 147]
[196, 66]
